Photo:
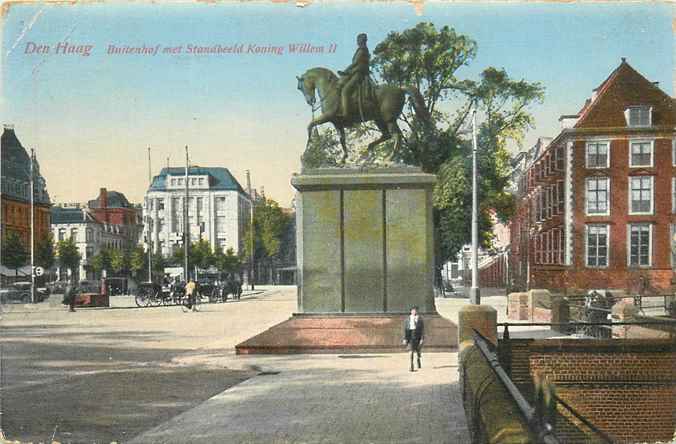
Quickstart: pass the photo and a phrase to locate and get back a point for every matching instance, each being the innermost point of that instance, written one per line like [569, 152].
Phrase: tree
[137, 260]
[101, 260]
[44, 252]
[430, 59]
[270, 222]
[68, 255]
[119, 261]
[14, 253]
[201, 255]
[227, 262]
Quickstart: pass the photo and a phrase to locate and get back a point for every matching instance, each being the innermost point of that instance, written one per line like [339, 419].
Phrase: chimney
[103, 198]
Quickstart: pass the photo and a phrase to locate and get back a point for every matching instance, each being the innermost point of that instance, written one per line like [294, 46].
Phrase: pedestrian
[70, 295]
[190, 293]
[414, 334]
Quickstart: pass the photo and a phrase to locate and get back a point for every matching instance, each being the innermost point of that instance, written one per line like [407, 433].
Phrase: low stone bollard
[560, 314]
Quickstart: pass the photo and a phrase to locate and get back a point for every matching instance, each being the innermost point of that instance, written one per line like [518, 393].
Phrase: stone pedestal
[365, 255]
[365, 240]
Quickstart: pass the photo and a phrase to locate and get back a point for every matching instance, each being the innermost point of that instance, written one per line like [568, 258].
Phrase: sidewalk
[327, 399]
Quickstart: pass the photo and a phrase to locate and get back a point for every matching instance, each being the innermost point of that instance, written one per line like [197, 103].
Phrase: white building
[90, 235]
[218, 209]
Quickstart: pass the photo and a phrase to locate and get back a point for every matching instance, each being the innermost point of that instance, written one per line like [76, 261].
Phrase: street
[161, 375]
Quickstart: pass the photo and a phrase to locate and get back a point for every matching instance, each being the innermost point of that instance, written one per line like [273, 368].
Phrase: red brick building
[113, 208]
[595, 206]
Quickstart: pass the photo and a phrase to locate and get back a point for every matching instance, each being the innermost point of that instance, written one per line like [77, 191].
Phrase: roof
[71, 216]
[115, 200]
[16, 165]
[623, 88]
[219, 178]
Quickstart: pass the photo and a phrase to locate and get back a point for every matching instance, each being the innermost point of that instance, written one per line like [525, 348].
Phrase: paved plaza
[162, 375]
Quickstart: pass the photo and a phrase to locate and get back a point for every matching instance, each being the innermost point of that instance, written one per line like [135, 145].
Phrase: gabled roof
[219, 178]
[115, 200]
[71, 216]
[623, 88]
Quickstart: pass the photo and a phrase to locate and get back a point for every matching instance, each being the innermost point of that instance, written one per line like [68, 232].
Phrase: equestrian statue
[354, 98]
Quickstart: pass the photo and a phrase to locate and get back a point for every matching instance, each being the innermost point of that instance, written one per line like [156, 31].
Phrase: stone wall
[627, 388]
[492, 415]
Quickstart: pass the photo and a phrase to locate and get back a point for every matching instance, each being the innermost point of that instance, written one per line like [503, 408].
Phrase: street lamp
[474, 293]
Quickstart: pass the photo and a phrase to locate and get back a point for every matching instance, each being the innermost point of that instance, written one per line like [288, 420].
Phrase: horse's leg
[315, 122]
[394, 129]
[341, 133]
[385, 135]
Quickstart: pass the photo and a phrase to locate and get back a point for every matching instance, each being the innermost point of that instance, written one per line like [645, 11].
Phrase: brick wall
[627, 388]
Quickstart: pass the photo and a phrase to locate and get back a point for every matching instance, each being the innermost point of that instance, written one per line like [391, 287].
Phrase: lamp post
[149, 223]
[474, 293]
[186, 228]
[32, 191]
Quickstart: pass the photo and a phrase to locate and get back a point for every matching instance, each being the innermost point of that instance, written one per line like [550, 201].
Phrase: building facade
[596, 207]
[218, 209]
[15, 191]
[89, 234]
[113, 208]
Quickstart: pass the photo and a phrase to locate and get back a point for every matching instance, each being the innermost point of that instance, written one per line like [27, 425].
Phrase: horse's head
[307, 87]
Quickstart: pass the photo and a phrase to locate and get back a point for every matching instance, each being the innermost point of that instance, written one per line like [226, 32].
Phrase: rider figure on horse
[354, 75]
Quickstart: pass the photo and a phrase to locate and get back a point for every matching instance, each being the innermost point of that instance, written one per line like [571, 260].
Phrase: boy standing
[414, 333]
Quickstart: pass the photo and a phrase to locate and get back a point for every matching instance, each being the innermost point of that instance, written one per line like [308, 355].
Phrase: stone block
[517, 306]
[482, 318]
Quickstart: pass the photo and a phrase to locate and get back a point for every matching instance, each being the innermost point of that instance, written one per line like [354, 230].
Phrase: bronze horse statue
[383, 107]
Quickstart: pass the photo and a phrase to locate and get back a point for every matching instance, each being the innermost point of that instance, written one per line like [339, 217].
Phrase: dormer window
[638, 116]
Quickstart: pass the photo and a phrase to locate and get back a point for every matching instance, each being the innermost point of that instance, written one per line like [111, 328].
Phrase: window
[641, 195]
[73, 233]
[62, 234]
[638, 115]
[173, 182]
[641, 153]
[561, 194]
[673, 194]
[597, 246]
[597, 155]
[597, 195]
[160, 204]
[673, 246]
[89, 235]
[639, 245]
[560, 162]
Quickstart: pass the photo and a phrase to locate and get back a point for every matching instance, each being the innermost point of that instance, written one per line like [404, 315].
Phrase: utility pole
[32, 187]
[251, 229]
[149, 222]
[186, 228]
[474, 293]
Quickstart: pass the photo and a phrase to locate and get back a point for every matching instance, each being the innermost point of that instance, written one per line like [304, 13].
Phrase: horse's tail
[418, 103]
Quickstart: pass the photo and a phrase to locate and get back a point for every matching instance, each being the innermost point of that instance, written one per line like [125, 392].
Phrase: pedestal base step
[349, 333]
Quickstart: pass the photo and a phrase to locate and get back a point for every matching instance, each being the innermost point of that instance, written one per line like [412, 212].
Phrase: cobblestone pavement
[292, 399]
[328, 399]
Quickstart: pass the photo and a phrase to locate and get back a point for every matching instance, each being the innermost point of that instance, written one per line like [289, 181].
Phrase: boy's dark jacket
[418, 333]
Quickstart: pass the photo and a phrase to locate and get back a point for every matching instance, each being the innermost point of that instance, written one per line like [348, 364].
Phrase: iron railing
[608, 324]
[539, 427]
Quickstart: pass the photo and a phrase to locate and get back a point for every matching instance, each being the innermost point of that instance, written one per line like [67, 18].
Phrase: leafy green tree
[227, 262]
[137, 260]
[14, 253]
[101, 260]
[68, 255]
[430, 59]
[44, 252]
[119, 261]
[270, 223]
[201, 254]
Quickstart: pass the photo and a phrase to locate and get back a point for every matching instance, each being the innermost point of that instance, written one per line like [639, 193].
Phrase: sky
[91, 118]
